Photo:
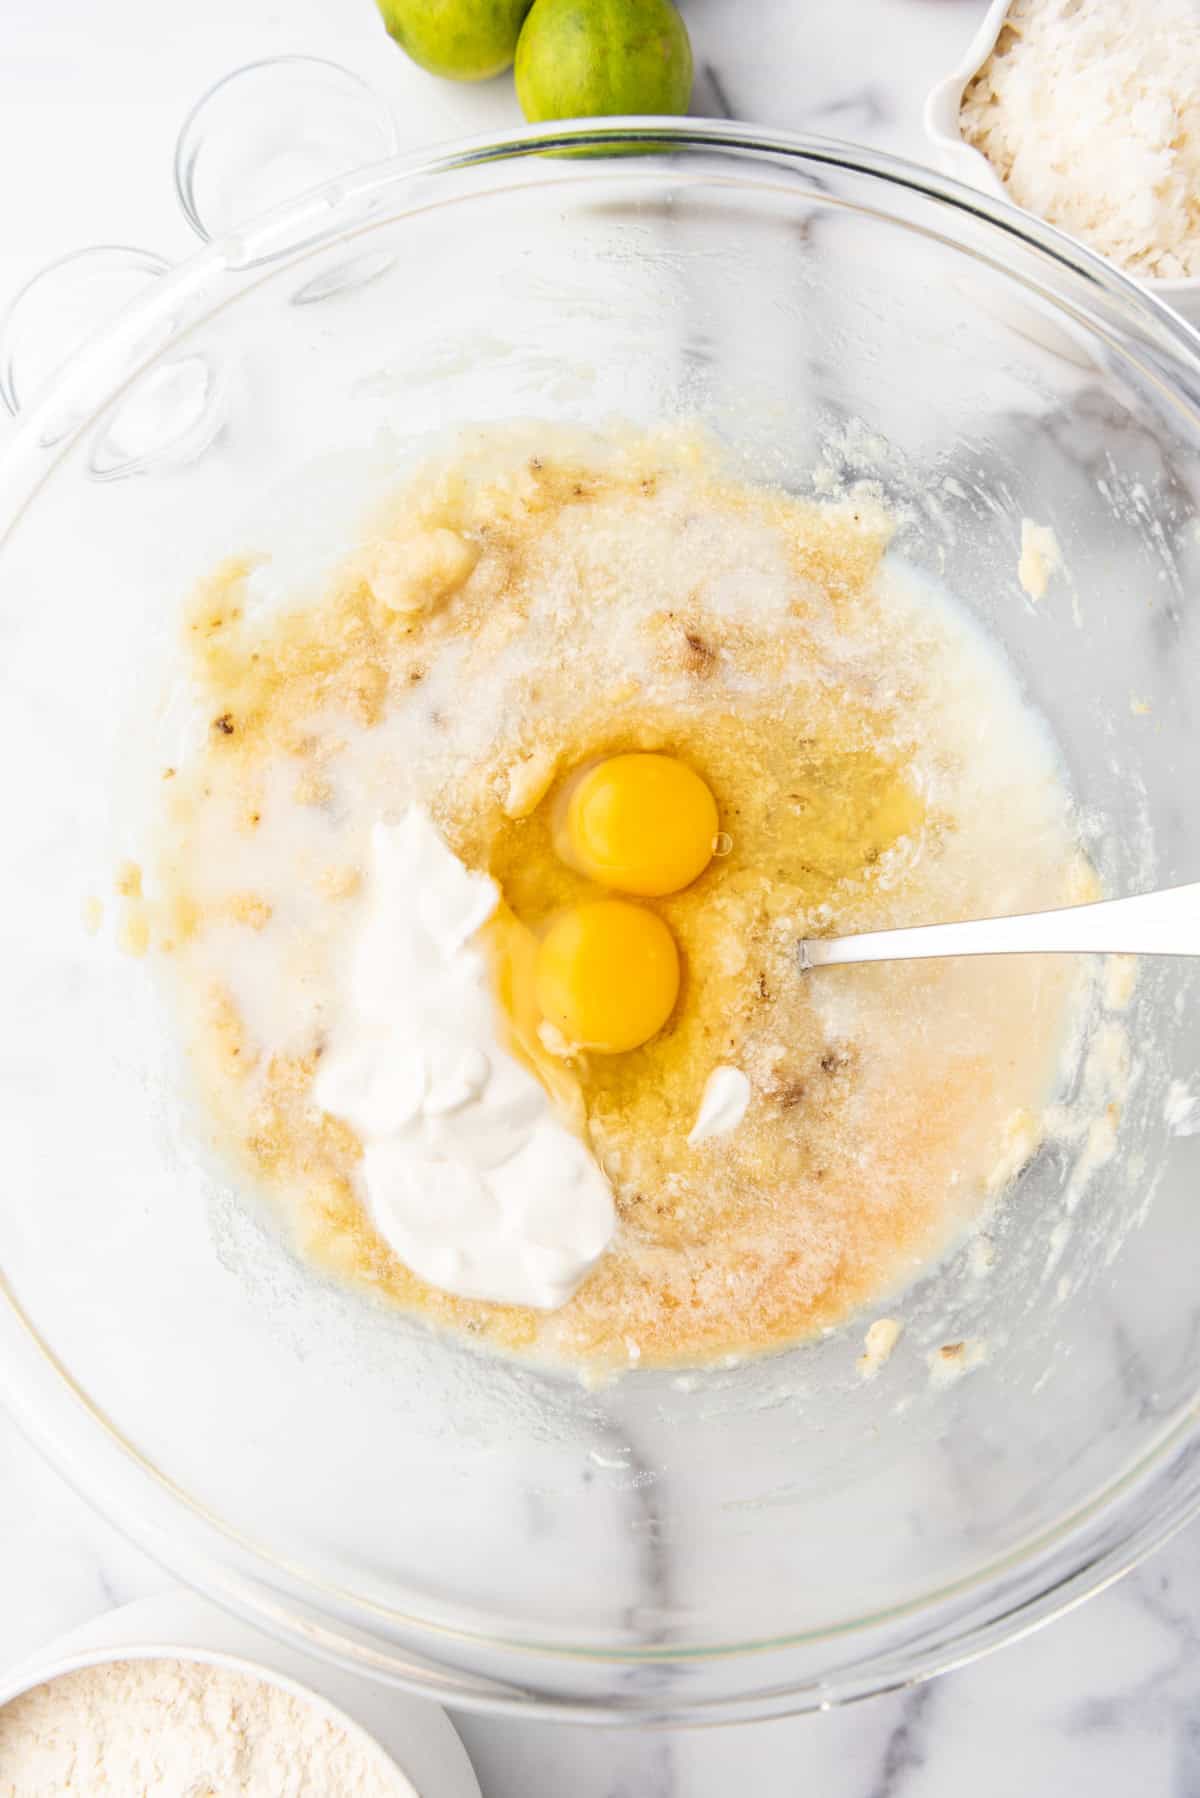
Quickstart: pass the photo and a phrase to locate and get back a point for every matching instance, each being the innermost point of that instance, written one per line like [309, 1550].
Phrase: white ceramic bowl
[958, 158]
[414, 1737]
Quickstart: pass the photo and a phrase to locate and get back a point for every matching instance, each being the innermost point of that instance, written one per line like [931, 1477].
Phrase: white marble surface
[90, 100]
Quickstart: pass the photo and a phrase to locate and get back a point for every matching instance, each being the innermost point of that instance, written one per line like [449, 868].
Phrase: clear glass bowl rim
[1140, 1508]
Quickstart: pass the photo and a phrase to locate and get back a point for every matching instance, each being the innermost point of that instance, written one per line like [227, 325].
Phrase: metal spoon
[1163, 923]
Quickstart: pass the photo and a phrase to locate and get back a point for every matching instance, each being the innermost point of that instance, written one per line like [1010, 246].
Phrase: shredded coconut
[1090, 115]
[181, 1729]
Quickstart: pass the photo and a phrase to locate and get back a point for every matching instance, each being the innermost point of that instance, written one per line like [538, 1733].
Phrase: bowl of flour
[171, 1698]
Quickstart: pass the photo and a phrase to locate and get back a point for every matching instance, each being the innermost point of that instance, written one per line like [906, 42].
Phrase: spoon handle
[1162, 923]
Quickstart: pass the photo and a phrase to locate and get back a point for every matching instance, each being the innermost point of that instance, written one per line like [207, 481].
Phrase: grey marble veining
[1104, 1699]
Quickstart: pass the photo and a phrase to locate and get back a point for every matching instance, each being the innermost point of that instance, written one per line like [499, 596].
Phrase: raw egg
[607, 975]
[640, 823]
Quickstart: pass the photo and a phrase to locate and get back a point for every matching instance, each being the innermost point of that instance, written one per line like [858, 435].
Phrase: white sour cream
[722, 1104]
[470, 1174]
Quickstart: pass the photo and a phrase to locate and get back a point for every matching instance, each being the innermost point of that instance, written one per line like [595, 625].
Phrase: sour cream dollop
[469, 1172]
[723, 1104]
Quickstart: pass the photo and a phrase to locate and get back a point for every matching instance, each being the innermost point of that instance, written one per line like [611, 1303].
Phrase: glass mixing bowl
[756, 1538]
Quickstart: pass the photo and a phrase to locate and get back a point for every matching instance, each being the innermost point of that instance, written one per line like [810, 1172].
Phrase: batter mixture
[379, 841]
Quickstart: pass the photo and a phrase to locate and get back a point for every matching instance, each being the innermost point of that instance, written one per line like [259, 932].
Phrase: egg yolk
[640, 823]
[607, 975]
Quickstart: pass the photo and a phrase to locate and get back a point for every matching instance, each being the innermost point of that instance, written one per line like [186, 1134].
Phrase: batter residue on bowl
[533, 604]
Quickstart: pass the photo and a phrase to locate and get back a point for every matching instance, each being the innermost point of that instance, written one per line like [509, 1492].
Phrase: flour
[180, 1729]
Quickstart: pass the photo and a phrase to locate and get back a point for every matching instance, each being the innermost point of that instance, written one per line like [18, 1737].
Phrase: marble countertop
[1105, 1699]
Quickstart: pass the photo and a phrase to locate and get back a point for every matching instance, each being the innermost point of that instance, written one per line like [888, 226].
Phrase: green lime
[465, 40]
[588, 59]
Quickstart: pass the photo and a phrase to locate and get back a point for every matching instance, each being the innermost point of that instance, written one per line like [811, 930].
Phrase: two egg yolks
[607, 972]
